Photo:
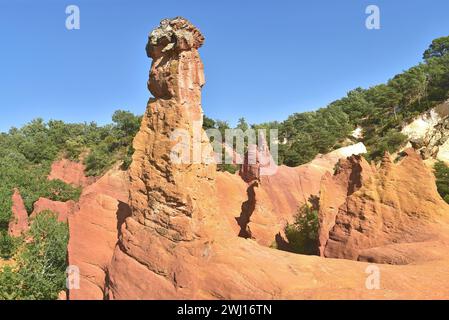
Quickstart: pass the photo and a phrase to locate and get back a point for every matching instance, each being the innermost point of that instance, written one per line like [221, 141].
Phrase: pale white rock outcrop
[429, 133]
[331, 158]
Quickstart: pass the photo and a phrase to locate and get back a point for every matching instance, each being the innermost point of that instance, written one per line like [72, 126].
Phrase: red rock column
[169, 200]
[19, 222]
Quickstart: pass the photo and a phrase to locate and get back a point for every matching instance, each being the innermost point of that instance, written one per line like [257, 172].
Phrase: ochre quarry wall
[181, 242]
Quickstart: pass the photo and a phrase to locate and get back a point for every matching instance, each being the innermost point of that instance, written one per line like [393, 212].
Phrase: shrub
[391, 142]
[302, 235]
[8, 245]
[225, 167]
[98, 161]
[41, 263]
[442, 179]
[10, 284]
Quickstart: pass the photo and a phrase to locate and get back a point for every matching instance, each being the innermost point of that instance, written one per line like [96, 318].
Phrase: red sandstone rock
[275, 199]
[334, 190]
[180, 241]
[70, 172]
[19, 220]
[63, 209]
[394, 205]
[94, 231]
[258, 161]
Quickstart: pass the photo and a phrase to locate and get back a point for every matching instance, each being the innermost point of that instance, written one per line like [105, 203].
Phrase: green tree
[437, 49]
[8, 245]
[242, 124]
[10, 284]
[208, 123]
[302, 235]
[126, 123]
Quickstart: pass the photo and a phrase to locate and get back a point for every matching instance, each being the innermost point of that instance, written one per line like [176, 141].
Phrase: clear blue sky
[264, 60]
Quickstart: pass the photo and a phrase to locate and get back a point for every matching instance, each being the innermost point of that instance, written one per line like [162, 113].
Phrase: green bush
[98, 160]
[442, 179]
[302, 235]
[41, 262]
[390, 142]
[10, 284]
[231, 168]
[116, 146]
[8, 245]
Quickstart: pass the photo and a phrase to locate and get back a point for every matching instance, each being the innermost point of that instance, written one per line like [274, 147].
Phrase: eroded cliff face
[270, 201]
[390, 214]
[334, 190]
[94, 229]
[70, 172]
[94, 223]
[182, 241]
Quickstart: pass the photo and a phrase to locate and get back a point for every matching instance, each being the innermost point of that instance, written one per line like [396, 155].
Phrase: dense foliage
[26, 155]
[442, 178]
[8, 245]
[40, 263]
[114, 145]
[302, 235]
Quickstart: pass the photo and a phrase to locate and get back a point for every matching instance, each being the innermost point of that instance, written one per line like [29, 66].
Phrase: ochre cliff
[271, 200]
[386, 214]
[172, 227]
[182, 241]
[62, 209]
[70, 172]
[94, 229]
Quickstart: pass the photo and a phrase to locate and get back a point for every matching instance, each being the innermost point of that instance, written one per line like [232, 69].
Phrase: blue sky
[264, 60]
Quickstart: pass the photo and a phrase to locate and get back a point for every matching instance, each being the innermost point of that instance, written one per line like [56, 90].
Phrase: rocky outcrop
[70, 172]
[169, 200]
[94, 230]
[62, 209]
[270, 201]
[19, 220]
[391, 207]
[258, 161]
[181, 242]
[429, 133]
[349, 176]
